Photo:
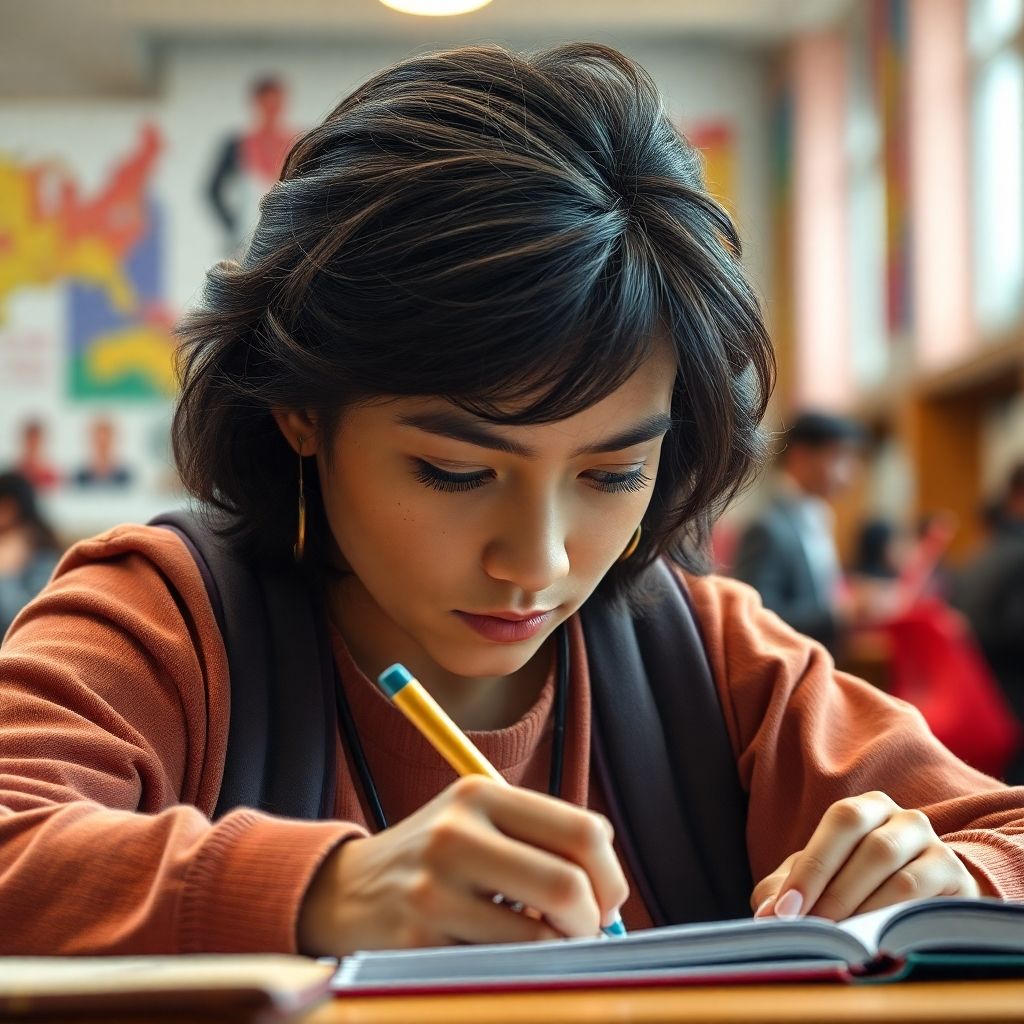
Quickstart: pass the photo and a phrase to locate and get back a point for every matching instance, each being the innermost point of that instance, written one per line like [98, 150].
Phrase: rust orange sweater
[114, 702]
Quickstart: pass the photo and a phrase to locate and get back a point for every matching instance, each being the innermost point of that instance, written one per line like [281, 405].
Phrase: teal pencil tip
[392, 679]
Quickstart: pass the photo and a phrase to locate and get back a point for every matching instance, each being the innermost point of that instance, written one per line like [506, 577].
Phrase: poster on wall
[111, 212]
[98, 209]
[247, 162]
[86, 343]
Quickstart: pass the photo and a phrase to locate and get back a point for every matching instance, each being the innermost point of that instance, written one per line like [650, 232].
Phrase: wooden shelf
[938, 418]
[995, 370]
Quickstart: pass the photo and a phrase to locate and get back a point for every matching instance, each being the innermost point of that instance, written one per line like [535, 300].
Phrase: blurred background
[871, 152]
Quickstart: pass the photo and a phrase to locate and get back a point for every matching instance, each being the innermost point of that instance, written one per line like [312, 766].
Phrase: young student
[490, 356]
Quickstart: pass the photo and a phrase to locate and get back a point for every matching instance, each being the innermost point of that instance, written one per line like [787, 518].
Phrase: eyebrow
[460, 428]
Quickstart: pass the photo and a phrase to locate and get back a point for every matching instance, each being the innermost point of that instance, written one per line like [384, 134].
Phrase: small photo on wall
[102, 466]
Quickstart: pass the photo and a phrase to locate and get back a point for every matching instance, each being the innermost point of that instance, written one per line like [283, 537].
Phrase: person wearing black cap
[788, 552]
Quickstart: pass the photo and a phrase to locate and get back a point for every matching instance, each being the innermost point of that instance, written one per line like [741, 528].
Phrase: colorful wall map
[104, 253]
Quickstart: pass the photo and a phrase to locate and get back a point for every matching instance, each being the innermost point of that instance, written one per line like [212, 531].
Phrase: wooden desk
[931, 1002]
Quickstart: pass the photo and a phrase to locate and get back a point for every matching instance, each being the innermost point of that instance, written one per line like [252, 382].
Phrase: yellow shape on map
[140, 350]
[34, 249]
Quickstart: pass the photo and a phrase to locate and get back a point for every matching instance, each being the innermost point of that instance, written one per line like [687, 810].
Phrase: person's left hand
[866, 853]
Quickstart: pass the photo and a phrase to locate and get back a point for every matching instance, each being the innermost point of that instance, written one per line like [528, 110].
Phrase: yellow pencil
[409, 696]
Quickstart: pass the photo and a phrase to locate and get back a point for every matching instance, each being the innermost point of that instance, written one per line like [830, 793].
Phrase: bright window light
[993, 23]
[999, 191]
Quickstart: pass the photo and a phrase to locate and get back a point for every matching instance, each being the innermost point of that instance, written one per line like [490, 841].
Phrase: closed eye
[443, 480]
[614, 483]
[448, 482]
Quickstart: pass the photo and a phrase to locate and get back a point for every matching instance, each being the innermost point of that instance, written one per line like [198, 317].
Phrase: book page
[867, 928]
[937, 923]
[745, 942]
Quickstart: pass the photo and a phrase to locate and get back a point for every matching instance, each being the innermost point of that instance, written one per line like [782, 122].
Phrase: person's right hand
[429, 880]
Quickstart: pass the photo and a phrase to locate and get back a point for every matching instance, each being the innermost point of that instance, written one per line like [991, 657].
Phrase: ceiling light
[435, 8]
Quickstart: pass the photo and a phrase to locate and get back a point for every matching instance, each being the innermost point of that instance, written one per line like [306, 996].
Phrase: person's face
[270, 102]
[33, 440]
[102, 438]
[439, 528]
[828, 470]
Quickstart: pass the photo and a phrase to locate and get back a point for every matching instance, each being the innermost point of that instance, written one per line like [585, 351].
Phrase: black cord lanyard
[348, 727]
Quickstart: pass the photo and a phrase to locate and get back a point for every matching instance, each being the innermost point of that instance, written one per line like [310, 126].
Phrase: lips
[512, 616]
[507, 627]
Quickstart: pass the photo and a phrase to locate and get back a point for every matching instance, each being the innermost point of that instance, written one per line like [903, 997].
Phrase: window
[997, 63]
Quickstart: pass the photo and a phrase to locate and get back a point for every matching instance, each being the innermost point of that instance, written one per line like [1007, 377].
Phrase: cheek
[392, 541]
[598, 537]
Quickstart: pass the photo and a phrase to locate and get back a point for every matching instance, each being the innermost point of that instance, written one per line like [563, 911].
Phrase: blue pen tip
[392, 679]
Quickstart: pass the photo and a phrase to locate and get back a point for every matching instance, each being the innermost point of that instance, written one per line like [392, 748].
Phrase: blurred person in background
[875, 574]
[788, 552]
[877, 554]
[989, 590]
[28, 547]
[894, 569]
[927, 560]
[32, 462]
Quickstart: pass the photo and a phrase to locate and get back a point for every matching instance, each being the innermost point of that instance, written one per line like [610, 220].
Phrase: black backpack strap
[664, 755]
[281, 736]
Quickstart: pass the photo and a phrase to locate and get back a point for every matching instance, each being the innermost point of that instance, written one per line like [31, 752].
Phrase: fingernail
[765, 904]
[789, 904]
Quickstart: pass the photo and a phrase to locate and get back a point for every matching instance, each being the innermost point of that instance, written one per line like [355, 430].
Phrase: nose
[529, 550]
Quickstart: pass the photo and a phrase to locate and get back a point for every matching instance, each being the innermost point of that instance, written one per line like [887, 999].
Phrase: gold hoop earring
[299, 548]
[634, 543]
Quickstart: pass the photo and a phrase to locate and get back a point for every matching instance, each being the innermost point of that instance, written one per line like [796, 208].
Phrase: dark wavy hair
[508, 232]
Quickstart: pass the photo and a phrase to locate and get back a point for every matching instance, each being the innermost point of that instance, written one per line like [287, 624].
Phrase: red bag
[937, 666]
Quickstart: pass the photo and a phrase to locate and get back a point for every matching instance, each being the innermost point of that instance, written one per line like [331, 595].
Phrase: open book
[937, 937]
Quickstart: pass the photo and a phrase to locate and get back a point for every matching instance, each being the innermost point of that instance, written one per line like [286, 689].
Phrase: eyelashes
[442, 480]
[634, 480]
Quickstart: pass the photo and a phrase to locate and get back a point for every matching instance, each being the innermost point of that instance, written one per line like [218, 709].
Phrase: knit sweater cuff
[996, 869]
[243, 890]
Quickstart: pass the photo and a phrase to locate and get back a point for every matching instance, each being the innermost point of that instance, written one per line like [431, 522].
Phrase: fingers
[838, 834]
[563, 864]
[866, 853]
[444, 915]
[430, 878]
[762, 898]
[485, 861]
[936, 872]
[880, 857]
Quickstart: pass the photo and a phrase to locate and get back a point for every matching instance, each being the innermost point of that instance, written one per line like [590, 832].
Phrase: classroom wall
[112, 229]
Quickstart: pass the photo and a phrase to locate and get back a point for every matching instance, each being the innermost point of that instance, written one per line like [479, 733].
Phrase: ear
[295, 424]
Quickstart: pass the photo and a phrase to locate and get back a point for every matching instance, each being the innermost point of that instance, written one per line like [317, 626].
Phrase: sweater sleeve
[114, 694]
[806, 735]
